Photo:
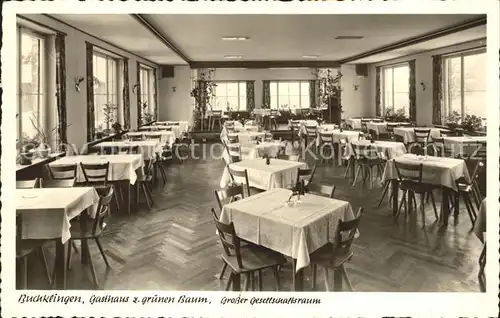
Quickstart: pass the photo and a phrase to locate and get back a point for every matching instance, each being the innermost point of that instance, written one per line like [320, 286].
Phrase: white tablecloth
[166, 137]
[408, 133]
[355, 123]
[148, 148]
[278, 174]
[480, 225]
[461, 145]
[254, 151]
[121, 167]
[46, 213]
[293, 230]
[436, 170]
[175, 129]
[379, 128]
[391, 149]
[245, 137]
[350, 135]
[183, 125]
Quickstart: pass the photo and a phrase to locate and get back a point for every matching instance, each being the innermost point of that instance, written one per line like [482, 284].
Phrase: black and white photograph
[317, 154]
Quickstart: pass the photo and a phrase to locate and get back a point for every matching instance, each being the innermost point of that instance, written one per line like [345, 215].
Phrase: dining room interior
[259, 152]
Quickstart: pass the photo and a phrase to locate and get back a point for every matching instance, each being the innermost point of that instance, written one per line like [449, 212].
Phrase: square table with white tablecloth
[173, 128]
[278, 174]
[148, 148]
[391, 149]
[379, 128]
[436, 170]
[166, 137]
[408, 133]
[121, 167]
[294, 230]
[439, 171]
[46, 213]
[466, 145]
[355, 123]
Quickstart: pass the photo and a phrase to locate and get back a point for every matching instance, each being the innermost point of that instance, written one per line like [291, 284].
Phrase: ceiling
[197, 38]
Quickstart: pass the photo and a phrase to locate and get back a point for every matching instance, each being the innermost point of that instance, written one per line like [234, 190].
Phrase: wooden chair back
[311, 131]
[154, 137]
[129, 150]
[326, 137]
[362, 152]
[95, 172]
[233, 139]
[322, 189]
[227, 235]
[409, 171]
[136, 137]
[239, 174]
[232, 192]
[289, 157]
[346, 233]
[103, 211]
[422, 134]
[27, 184]
[66, 183]
[301, 173]
[66, 172]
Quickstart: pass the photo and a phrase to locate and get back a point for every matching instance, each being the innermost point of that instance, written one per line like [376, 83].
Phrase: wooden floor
[174, 246]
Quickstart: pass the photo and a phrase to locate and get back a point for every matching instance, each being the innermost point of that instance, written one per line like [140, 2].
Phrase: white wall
[178, 105]
[355, 102]
[423, 70]
[75, 67]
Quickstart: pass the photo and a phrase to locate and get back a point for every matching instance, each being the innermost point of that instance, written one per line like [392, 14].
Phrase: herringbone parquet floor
[174, 246]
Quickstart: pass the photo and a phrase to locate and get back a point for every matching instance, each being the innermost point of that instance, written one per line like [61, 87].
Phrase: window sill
[40, 161]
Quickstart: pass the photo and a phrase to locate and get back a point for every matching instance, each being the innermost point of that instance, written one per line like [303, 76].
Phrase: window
[396, 88]
[105, 91]
[31, 106]
[464, 80]
[289, 94]
[146, 85]
[230, 96]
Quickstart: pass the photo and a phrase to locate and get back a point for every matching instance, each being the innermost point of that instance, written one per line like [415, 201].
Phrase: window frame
[214, 98]
[300, 82]
[116, 60]
[444, 83]
[382, 85]
[41, 76]
[149, 83]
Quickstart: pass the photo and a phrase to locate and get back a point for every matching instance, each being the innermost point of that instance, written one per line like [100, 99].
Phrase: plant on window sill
[472, 123]
[109, 116]
[400, 116]
[147, 116]
[453, 120]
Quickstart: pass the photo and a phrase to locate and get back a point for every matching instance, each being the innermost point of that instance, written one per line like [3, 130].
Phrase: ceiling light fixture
[235, 38]
[349, 37]
[233, 57]
[310, 56]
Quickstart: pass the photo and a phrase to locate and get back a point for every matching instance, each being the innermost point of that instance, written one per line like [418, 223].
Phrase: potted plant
[100, 132]
[109, 116]
[453, 120]
[117, 128]
[203, 94]
[329, 91]
[400, 115]
[389, 115]
[40, 142]
[472, 123]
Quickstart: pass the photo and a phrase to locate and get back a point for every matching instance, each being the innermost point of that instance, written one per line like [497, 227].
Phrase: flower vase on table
[268, 160]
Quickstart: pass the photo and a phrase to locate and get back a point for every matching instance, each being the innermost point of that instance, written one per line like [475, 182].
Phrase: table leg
[445, 205]
[60, 265]
[337, 280]
[127, 186]
[395, 192]
[84, 248]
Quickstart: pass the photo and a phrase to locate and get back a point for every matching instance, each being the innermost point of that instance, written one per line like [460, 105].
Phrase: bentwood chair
[327, 148]
[303, 174]
[310, 136]
[333, 256]
[93, 230]
[471, 189]
[272, 119]
[25, 248]
[423, 139]
[248, 261]
[144, 184]
[366, 158]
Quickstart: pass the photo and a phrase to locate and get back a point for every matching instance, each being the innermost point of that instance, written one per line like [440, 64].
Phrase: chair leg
[422, 208]
[24, 261]
[223, 270]
[102, 251]
[229, 282]
[314, 274]
[403, 201]
[386, 188]
[68, 259]
[277, 278]
[431, 195]
[92, 269]
[356, 177]
[73, 245]
[327, 280]
[45, 265]
[260, 281]
[144, 190]
[346, 278]
[247, 282]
